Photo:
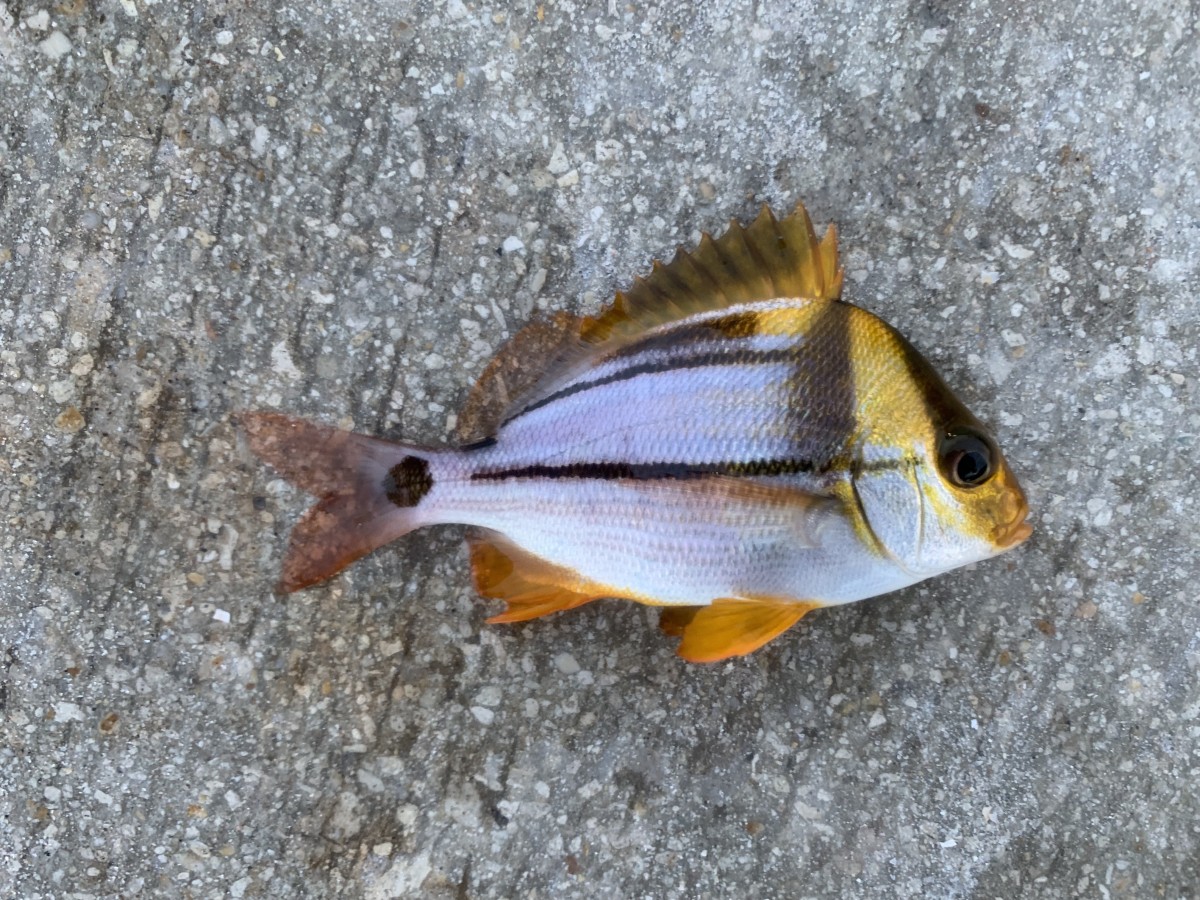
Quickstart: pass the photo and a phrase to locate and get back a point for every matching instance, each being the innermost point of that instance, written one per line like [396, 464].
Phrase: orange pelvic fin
[369, 491]
[730, 627]
[529, 585]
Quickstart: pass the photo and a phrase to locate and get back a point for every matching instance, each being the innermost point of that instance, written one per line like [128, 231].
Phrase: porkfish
[728, 441]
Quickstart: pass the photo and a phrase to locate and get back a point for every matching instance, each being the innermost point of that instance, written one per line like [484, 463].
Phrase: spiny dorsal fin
[768, 259]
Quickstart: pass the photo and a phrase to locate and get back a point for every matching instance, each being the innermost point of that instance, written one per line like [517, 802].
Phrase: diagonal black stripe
[702, 360]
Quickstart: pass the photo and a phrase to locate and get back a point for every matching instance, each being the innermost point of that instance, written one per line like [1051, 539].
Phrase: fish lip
[1015, 532]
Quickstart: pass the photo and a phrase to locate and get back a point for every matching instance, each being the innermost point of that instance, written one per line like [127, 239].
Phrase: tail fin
[369, 491]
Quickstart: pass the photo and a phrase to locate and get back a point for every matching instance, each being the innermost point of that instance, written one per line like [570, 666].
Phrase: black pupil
[971, 466]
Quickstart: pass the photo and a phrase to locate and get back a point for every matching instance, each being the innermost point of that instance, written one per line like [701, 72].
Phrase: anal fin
[730, 626]
[529, 585]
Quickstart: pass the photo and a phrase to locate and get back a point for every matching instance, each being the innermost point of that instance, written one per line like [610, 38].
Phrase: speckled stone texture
[341, 209]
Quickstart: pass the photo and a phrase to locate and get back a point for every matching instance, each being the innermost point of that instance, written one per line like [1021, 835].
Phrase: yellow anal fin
[730, 627]
[529, 585]
[768, 259]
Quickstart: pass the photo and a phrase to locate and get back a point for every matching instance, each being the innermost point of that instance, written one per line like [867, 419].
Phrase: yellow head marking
[905, 413]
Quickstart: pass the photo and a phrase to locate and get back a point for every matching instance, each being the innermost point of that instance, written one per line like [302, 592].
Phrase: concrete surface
[341, 210]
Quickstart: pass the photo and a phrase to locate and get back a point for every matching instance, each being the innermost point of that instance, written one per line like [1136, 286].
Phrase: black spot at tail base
[408, 481]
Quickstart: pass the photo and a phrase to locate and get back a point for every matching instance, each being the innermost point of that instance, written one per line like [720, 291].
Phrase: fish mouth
[1015, 532]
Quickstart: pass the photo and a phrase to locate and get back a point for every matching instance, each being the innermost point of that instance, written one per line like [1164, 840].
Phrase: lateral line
[680, 471]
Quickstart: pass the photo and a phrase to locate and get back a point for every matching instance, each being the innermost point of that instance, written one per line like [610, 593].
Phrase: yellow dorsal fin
[730, 627]
[531, 586]
[767, 259]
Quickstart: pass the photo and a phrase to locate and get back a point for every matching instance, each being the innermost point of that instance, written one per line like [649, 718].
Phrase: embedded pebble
[70, 420]
[56, 46]
[566, 663]
[62, 391]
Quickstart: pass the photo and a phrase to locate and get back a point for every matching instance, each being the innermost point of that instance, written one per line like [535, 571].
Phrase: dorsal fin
[517, 367]
[769, 258]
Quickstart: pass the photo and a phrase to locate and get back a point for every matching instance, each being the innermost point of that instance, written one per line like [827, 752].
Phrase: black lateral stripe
[699, 361]
[650, 471]
[673, 470]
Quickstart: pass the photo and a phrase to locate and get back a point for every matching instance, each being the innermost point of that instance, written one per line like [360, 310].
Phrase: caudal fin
[369, 491]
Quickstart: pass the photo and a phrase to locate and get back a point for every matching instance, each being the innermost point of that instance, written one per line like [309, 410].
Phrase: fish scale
[728, 412]
[655, 540]
[729, 440]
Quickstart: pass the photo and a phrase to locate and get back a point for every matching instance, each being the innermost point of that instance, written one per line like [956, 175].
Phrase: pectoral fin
[730, 627]
[529, 585]
[757, 510]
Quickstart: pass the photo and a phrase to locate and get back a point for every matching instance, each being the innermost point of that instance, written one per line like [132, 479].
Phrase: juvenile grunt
[728, 440]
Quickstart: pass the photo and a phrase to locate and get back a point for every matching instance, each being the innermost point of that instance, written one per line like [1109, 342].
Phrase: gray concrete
[341, 210]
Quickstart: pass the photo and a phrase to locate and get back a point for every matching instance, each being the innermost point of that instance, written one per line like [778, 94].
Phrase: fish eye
[967, 458]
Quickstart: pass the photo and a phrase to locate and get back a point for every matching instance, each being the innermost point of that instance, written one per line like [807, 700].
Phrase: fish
[729, 441]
